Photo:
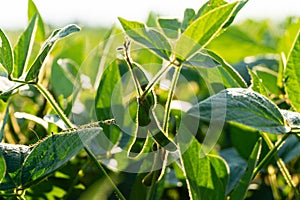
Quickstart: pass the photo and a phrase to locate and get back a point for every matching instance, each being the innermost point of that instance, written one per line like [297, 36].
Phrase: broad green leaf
[14, 156]
[2, 168]
[201, 59]
[237, 166]
[241, 4]
[240, 191]
[228, 69]
[6, 55]
[202, 31]
[292, 118]
[188, 18]
[292, 75]
[290, 149]
[149, 37]
[45, 50]
[242, 106]
[32, 10]
[109, 97]
[53, 152]
[268, 78]
[256, 84]
[204, 175]
[208, 6]
[170, 27]
[23, 48]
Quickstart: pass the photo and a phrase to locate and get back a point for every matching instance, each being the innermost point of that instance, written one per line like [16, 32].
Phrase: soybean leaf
[23, 48]
[292, 118]
[149, 37]
[38, 120]
[55, 119]
[290, 149]
[237, 166]
[292, 75]
[240, 191]
[6, 55]
[170, 27]
[189, 15]
[202, 31]
[14, 156]
[245, 107]
[45, 50]
[201, 59]
[7, 88]
[204, 175]
[256, 84]
[109, 98]
[2, 168]
[228, 69]
[32, 10]
[53, 152]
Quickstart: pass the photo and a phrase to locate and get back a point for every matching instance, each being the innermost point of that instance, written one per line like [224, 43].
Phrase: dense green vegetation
[192, 108]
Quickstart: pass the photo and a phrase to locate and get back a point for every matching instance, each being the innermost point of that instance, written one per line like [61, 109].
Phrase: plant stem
[62, 115]
[153, 185]
[283, 169]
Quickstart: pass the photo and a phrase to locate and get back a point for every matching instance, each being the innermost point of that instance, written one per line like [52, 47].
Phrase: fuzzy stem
[62, 115]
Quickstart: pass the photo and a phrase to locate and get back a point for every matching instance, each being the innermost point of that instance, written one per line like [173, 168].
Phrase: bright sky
[98, 12]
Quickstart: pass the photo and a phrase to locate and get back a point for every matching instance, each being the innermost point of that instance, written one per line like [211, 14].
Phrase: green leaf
[23, 48]
[204, 175]
[2, 168]
[110, 88]
[240, 191]
[201, 59]
[290, 149]
[202, 31]
[292, 118]
[149, 37]
[170, 27]
[228, 69]
[53, 152]
[45, 50]
[14, 156]
[32, 10]
[7, 88]
[6, 55]
[188, 18]
[256, 84]
[4, 122]
[292, 75]
[242, 106]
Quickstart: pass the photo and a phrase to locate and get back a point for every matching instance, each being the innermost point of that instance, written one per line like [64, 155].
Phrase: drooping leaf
[242, 106]
[292, 75]
[53, 152]
[228, 69]
[170, 27]
[149, 37]
[204, 175]
[256, 84]
[7, 88]
[23, 48]
[240, 191]
[290, 149]
[6, 55]
[14, 156]
[32, 10]
[2, 168]
[46, 48]
[202, 31]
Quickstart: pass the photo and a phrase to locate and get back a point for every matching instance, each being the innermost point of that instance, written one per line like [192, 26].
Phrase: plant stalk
[62, 115]
[282, 167]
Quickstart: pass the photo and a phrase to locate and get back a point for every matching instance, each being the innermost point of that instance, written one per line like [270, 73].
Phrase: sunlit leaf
[148, 37]
[23, 48]
[292, 74]
[46, 48]
[242, 106]
[204, 175]
[32, 10]
[202, 31]
[2, 168]
[170, 27]
[6, 55]
[53, 152]
[256, 84]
